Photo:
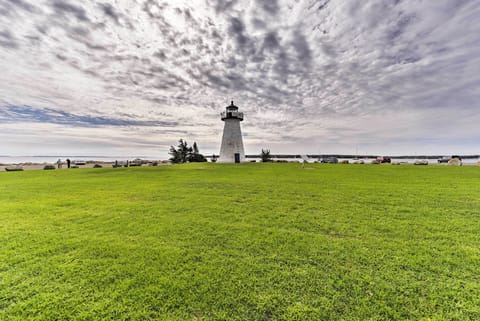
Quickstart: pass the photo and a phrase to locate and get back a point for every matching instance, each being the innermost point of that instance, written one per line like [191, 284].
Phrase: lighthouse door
[237, 157]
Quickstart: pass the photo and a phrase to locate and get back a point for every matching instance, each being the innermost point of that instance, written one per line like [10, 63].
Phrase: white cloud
[327, 74]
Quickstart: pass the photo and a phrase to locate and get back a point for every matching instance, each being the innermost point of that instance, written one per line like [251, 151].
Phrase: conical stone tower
[232, 144]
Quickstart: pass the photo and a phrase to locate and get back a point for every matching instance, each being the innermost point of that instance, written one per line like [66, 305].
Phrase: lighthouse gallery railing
[231, 114]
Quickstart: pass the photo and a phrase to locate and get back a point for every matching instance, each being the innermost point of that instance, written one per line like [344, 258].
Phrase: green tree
[175, 155]
[195, 148]
[181, 154]
[195, 156]
[184, 153]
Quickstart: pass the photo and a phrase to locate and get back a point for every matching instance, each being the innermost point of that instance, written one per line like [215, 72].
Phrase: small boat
[14, 168]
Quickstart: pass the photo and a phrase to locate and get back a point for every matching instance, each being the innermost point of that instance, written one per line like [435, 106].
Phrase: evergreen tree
[175, 155]
[185, 150]
[184, 153]
[195, 156]
[195, 148]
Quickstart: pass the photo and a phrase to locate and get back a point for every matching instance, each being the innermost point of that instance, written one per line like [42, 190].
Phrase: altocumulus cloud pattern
[312, 76]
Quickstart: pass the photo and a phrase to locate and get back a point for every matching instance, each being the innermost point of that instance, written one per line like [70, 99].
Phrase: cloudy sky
[131, 77]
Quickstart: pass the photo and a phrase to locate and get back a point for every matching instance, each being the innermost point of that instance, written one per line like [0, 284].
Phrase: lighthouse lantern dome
[231, 113]
[232, 107]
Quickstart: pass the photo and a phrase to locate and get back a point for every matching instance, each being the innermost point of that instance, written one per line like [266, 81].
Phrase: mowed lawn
[241, 242]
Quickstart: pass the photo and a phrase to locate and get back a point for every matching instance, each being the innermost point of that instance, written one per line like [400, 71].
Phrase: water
[53, 159]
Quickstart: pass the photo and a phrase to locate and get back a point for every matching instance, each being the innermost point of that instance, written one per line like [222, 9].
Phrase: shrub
[97, 166]
[455, 162]
[266, 157]
[49, 167]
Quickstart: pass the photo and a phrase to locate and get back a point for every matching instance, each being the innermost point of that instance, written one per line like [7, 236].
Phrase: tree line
[186, 154]
[191, 154]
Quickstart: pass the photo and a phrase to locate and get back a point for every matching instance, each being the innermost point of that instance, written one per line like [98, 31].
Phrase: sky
[132, 77]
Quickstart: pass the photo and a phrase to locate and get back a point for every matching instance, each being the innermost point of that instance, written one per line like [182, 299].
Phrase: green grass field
[241, 242]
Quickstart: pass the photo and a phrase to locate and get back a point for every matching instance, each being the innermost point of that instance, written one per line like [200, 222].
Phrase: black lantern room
[232, 113]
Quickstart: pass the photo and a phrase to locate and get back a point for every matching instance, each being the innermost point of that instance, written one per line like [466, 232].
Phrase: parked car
[329, 160]
[446, 159]
[137, 162]
[79, 162]
[420, 162]
[384, 159]
[443, 159]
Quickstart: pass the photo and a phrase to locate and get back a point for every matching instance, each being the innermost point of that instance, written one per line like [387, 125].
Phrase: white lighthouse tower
[232, 143]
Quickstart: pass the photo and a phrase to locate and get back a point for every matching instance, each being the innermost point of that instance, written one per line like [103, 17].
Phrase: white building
[232, 144]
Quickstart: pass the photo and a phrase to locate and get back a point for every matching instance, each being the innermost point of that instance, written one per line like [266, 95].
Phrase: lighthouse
[232, 143]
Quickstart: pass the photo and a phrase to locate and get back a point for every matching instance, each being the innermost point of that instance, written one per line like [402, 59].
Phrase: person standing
[68, 162]
[59, 163]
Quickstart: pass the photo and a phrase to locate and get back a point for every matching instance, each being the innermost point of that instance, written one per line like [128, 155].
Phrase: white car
[79, 162]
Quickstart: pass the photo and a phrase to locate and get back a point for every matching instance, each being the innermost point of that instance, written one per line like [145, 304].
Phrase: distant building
[232, 150]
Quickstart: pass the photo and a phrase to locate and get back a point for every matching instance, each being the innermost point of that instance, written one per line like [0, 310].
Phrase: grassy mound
[241, 242]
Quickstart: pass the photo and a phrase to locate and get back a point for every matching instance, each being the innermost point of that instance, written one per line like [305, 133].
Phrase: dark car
[79, 162]
[444, 159]
[384, 159]
[329, 160]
